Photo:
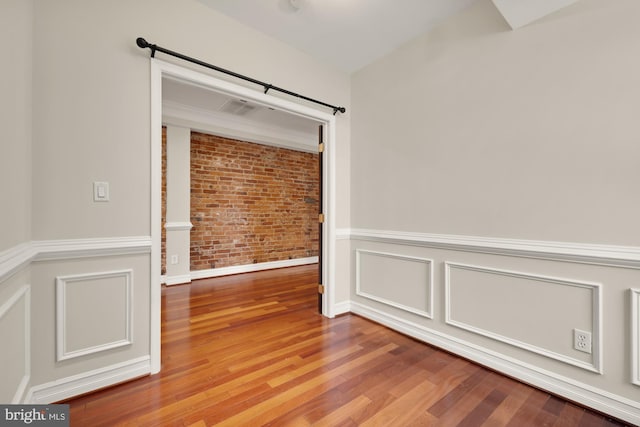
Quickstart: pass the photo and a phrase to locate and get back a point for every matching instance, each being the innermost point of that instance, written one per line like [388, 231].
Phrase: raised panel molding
[23, 294]
[609, 255]
[635, 336]
[596, 314]
[62, 307]
[428, 283]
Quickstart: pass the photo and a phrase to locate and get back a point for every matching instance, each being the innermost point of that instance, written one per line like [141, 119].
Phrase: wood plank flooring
[250, 350]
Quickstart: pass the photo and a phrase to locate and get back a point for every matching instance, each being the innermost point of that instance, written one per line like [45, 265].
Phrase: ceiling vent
[238, 107]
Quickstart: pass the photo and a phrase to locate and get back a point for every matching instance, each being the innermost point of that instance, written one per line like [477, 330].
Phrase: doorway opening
[162, 70]
[252, 207]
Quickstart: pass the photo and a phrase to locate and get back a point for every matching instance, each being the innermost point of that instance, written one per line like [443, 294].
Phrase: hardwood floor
[250, 350]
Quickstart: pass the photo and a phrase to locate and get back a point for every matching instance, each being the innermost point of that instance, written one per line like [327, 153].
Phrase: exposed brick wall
[251, 203]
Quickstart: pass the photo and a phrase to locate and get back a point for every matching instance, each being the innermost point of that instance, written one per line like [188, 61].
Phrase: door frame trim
[161, 69]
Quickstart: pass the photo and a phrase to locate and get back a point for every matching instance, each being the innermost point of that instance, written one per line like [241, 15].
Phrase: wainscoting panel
[530, 311]
[513, 305]
[15, 339]
[54, 307]
[93, 312]
[635, 336]
[378, 275]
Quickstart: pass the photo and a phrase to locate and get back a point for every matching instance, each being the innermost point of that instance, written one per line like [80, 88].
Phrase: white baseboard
[600, 400]
[341, 308]
[248, 268]
[176, 280]
[75, 385]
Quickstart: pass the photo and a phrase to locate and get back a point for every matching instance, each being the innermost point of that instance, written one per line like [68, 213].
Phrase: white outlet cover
[582, 341]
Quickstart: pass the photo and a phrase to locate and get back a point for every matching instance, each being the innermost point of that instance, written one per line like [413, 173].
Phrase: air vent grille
[238, 107]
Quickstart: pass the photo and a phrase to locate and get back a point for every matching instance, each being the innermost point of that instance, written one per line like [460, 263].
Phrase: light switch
[100, 191]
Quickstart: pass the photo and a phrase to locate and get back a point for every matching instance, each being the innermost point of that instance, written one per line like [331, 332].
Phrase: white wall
[90, 94]
[178, 204]
[522, 139]
[16, 21]
[92, 101]
[474, 129]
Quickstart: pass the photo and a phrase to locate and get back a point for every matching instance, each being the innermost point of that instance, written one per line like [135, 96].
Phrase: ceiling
[349, 34]
[206, 110]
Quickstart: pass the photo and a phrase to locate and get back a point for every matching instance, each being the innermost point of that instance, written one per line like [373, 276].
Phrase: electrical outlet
[174, 259]
[582, 341]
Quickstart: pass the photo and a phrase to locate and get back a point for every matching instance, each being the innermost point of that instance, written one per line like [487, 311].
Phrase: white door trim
[160, 69]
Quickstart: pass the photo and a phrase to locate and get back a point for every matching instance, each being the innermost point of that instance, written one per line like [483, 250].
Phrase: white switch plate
[100, 191]
[174, 259]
